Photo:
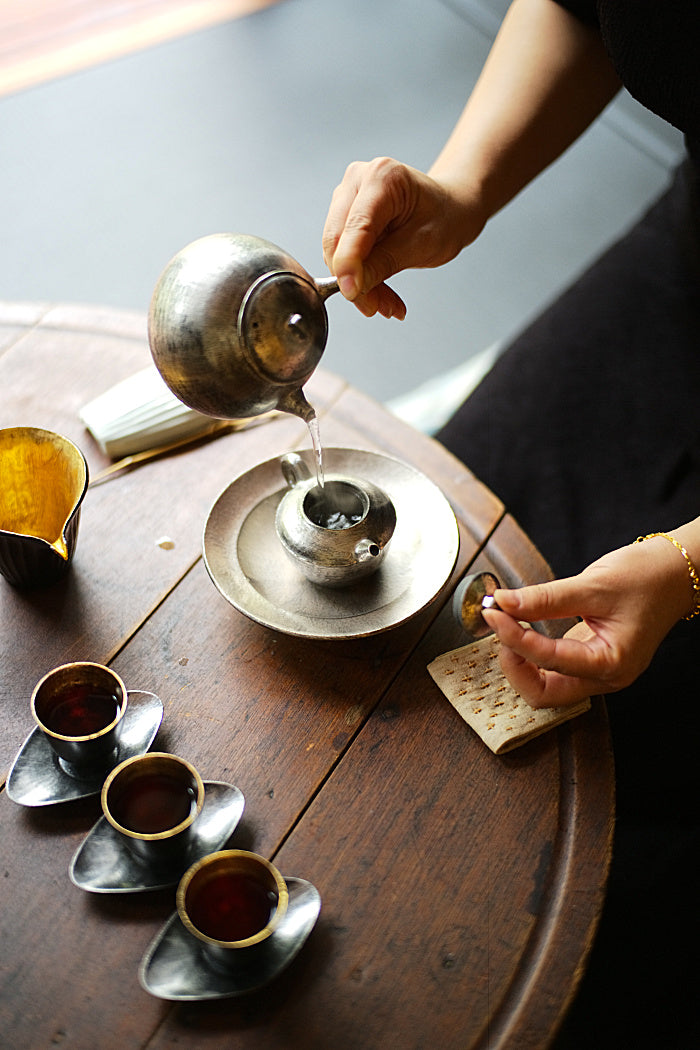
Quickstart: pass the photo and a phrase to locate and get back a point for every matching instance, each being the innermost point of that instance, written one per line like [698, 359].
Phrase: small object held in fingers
[473, 595]
[489, 602]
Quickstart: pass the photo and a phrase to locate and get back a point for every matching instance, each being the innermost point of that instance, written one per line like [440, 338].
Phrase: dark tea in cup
[231, 899]
[235, 907]
[82, 710]
[79, 707]
[153, 803]
[152, 800]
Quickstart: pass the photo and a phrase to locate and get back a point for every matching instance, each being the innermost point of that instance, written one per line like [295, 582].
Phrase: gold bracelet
[694, 579]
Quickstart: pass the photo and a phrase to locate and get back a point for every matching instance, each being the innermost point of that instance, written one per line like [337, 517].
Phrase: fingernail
[348, 286]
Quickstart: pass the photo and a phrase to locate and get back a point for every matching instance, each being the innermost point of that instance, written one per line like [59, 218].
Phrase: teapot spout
[366, 550]
[294, 402]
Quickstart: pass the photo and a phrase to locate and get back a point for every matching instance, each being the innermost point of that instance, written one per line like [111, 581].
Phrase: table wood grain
[460, 890]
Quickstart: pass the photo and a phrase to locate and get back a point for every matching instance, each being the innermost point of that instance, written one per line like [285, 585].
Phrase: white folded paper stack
[141, 413]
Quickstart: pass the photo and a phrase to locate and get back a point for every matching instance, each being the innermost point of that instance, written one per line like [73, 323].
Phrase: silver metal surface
[39, 778]
[250, 569]
[103, 863]
[174, 966]
[333, 557]
[236, 326]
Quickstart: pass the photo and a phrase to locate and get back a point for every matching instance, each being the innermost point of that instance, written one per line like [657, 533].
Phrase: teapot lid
[283, 325]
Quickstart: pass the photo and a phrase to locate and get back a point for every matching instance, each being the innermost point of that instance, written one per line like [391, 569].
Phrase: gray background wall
[248, 126]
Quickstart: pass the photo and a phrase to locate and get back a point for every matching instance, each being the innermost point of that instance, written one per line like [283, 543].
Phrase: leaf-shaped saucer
[175, 967]
[103, 862]
[39, 778]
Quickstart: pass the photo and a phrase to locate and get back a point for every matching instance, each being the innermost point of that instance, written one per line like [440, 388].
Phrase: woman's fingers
[550, 672]
[580, 652]
[628, 600]
[555, 600]
[381, 300]
[385, 217]
[541, 688]
[372, 198]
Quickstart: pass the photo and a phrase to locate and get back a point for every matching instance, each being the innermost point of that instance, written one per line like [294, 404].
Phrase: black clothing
[587, 427]
[655, 49]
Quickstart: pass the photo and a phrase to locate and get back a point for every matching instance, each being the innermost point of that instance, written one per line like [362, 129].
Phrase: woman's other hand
[627, 601]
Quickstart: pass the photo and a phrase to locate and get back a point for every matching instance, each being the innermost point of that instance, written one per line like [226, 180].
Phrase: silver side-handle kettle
[236, 327]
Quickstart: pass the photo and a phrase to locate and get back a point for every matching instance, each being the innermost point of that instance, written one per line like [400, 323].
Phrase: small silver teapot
[236, 327]
[336, 533]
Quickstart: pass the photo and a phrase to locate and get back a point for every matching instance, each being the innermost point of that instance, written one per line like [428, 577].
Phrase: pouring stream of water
[315, 432]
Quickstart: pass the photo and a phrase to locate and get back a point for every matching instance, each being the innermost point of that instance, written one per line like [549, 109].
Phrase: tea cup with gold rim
[152, 801]
[79, 707]
[231, 900]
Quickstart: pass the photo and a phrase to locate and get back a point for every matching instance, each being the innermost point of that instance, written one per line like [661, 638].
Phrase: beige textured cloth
[472, 680]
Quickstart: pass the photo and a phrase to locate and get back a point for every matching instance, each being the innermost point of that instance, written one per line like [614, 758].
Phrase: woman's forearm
[546, 78]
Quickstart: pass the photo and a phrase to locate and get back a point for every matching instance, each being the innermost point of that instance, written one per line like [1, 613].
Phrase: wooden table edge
[587, 787]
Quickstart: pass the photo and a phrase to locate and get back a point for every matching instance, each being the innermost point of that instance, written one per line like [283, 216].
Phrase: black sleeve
[586, 10]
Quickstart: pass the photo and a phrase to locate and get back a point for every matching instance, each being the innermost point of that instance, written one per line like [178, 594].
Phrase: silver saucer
[249, 567]
[174, 966]
[37, 777]
[103, 862]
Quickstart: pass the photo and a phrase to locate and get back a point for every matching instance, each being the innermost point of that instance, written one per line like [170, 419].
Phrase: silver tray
[249, 567]
[175, 968]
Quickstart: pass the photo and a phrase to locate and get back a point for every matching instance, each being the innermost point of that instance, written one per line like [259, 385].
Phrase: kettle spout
[294, 402]
[366, 550]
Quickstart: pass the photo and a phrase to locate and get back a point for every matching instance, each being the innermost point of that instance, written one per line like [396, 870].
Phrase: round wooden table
[460, 889]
